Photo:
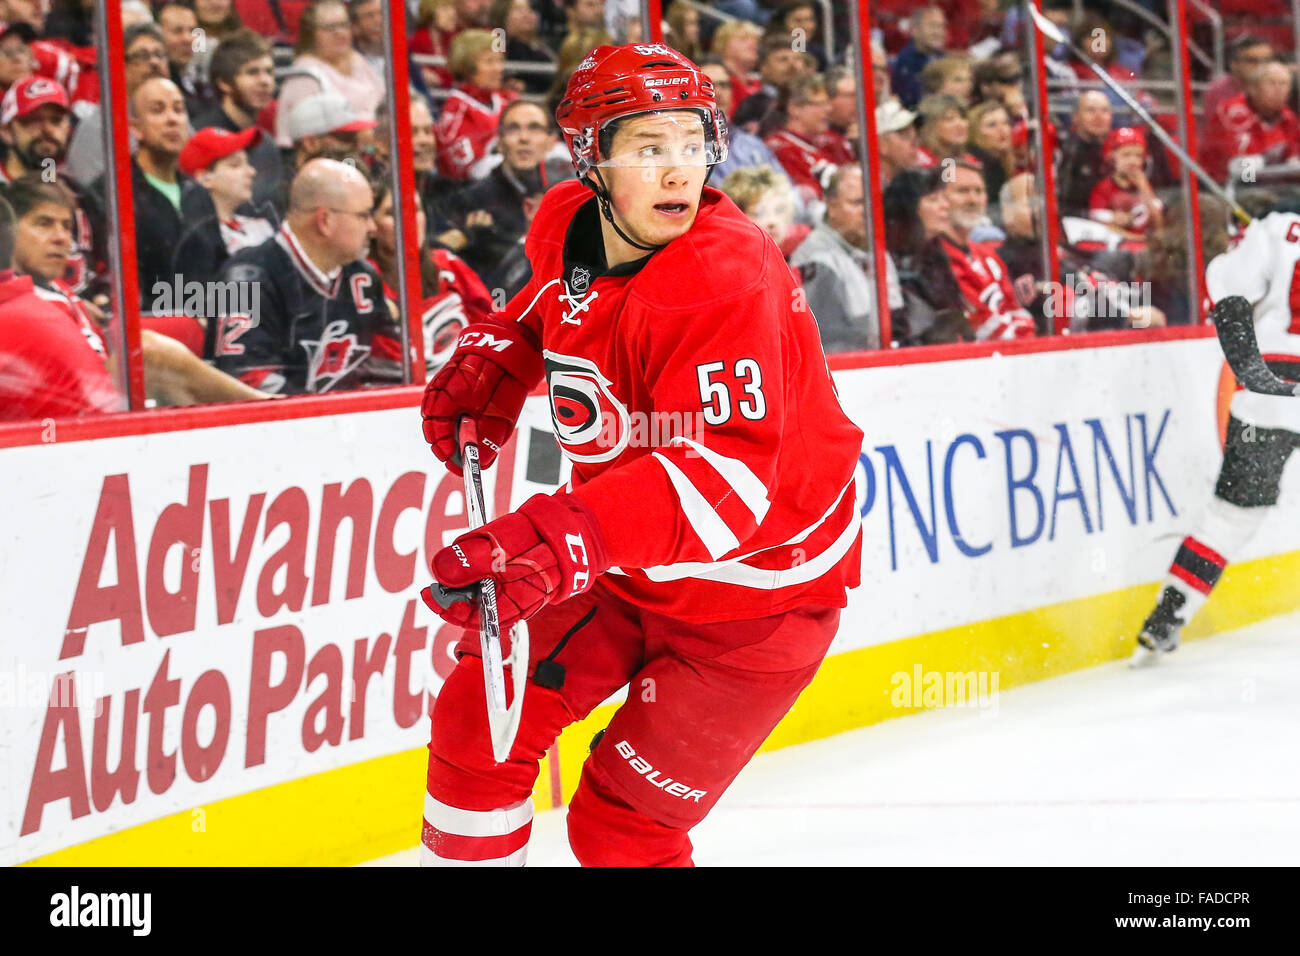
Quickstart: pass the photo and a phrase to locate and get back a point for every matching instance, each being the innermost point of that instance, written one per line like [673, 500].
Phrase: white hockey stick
[503, 718]
[1053, 33]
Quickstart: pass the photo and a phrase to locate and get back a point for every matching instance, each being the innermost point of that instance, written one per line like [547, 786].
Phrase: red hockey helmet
[614, 82]
[1124, 136]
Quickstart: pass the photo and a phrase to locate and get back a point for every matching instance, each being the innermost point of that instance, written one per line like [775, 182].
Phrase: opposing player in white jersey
[1263, 430]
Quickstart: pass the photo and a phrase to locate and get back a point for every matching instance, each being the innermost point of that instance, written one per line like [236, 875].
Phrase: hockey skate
[1162, 631]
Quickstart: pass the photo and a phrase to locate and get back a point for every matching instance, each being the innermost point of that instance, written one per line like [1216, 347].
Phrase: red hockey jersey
[467, 128]
[1109, 197]
[804, 162]
[696, 407]
[1235, 129]
[985, 284]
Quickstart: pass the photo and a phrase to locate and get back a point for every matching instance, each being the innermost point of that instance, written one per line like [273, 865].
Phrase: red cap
[213, 143]
[26, 95]
[1124, 136]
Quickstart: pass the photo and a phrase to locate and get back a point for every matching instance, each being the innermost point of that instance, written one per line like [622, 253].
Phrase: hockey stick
[1053, 33]
[503, 719]
[1234, 320]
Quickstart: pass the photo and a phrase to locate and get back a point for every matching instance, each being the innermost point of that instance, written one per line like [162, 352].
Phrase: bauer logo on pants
[666, 784]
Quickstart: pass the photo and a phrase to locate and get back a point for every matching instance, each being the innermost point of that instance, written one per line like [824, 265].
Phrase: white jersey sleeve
[1264, 267]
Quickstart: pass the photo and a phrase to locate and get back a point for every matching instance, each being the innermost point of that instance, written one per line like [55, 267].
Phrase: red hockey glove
[488, 377]
[547, 551]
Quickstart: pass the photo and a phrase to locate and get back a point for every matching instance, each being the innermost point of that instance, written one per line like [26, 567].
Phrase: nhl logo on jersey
[579, 279]
[590, 423]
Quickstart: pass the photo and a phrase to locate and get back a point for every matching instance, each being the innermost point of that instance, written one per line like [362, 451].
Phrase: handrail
[1144, 14]
[511, 66]
[1216, 25]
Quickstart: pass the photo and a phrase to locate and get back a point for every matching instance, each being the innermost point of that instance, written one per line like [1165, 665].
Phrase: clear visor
[669, 139]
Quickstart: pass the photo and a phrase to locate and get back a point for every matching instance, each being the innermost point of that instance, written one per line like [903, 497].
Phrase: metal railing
[1216, 28]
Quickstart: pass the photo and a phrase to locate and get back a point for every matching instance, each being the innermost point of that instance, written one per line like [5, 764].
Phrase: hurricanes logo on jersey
[331, 358]
[590, 423]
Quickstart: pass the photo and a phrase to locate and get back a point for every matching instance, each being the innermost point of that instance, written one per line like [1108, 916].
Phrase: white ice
[1193, 762]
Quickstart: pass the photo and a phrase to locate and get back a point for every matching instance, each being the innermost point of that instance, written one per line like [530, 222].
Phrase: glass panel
[262, 222]
[958, 138]
[61, 339]
[792, 91]
[1125, 224]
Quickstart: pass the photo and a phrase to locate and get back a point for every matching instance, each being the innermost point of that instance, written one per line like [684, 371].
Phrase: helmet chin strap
[602, 197]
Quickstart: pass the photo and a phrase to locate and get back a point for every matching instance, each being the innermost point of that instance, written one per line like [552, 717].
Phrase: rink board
[214, 651]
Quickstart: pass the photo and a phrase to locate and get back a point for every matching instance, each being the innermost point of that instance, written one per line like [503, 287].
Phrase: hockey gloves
[547, 551]
[488, 377]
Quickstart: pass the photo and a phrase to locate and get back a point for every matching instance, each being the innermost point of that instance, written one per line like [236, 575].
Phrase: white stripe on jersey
[708, 524]
[736, 473]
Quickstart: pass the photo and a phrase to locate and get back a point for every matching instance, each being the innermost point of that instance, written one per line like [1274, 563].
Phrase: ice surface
[1193, 762]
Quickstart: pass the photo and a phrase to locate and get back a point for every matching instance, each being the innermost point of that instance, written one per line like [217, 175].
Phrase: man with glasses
[145, 53]
[489, 215]
[1246, 54]
[319, 304]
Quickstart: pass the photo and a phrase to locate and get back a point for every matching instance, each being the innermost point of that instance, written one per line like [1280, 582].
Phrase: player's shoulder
[723, 255]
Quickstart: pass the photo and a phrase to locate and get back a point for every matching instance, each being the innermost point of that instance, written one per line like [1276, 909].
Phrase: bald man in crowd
[313, 305]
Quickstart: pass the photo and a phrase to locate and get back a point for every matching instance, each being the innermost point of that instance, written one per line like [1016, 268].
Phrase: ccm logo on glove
[546, 552]
[483, 340]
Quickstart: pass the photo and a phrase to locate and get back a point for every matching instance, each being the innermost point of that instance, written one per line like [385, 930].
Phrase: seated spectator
[320, 305]
[765, 196]
[218, 19]
[466, 127]
[51, 366]
[523, 42]
[432, 188]
[735, 44]
[744, 150]
[165, 198]
[35, 125]
[795, 22]
[955, 272]
[1124, 200]
[839, 142]
[573, 51]
[951, 75]
[836, 267]
[807, 117]
[435, 27]
[880, 74]
[177, 20]
[488, 216]
[683, 33]
[324, 126]
[63, 364]
[990, 143]
[585, 15]
[927, 43]
[327, 62]
[1079, 164]
[915, 208]
[218, 161]
[1256, 125]
[1246, 54]
[944, 130]
[998, 79]
[367, 18]
[242, 73]
[145, 54]
[778, 66]
[451, 296]
[23, 53]
[896, 140]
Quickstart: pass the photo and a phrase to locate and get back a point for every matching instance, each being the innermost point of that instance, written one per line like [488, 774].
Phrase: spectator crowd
[259, 140]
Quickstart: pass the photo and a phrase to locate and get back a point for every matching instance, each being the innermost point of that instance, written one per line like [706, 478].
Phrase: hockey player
[1263, 430]
[702, 567]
